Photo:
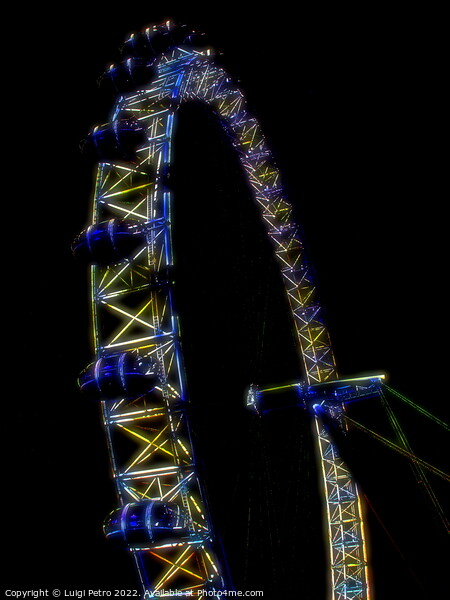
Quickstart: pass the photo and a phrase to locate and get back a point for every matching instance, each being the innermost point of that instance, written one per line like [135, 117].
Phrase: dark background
[352, 103]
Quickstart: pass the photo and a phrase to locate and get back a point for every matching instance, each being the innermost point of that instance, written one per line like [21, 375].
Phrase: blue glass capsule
[129, 75]
[157, 40]
[150, 42]
[145, 522]
[197, 39]
[161, 41]
[179, 33]
[107, 242]
[138, 45]
[117, 376]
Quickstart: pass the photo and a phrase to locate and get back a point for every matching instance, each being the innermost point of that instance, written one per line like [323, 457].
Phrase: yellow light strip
[132, 492]
[147, 489]
[142, 495]
[176, 567]
[211, 562]
[132, 318]
[146, 440]
[136, 460]
[184, 448]
[280, 387]
[127, 191]
[149, 452]
[132, 342]
[127, 211]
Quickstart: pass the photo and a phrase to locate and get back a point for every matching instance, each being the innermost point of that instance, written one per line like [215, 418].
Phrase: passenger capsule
[129, 75]
[197, 39]
[138, 46]
[145, 522]
[180, 33]
[118, 375]
[107, 242]
[159, 39]
[118, 140]
[150, 42]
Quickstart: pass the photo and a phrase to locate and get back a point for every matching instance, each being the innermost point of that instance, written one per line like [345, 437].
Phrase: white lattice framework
[347, 548]
[148, 436]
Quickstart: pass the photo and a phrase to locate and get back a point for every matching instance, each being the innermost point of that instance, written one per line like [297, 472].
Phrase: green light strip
[417, 469]
[418, 408]
[401, 451]
[280, 387]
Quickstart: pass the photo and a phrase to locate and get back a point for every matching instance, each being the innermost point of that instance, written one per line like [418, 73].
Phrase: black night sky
[352, 104]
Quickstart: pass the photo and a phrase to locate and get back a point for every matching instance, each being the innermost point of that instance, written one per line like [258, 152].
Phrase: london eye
[207, 484]
[138, 373]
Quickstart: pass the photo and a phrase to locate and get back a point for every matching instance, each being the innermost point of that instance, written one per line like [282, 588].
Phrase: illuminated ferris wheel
[138, 375]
